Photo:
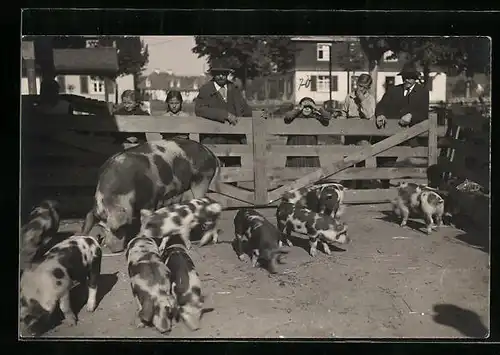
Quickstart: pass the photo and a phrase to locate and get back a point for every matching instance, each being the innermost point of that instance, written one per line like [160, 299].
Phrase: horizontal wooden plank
[317, 150]
[229, 150]
[162, 124]
[336, 127]
[84, 176]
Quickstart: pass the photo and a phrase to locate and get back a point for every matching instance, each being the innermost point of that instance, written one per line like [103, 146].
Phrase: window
[389, 81]
[388, 57]
[320, 83]
[96, 86]
[323, 52]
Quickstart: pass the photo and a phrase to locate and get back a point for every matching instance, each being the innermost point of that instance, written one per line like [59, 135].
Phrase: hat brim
[409, 74]
[221, 70]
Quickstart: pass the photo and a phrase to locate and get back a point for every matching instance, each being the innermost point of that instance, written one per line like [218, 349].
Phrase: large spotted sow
[146, 177]
[419, 200]
[262, 236]
[150, 282]
[186, 284]
[324, 198]
[319, 227]
[48, 282]
[182, 219]
[42, 225]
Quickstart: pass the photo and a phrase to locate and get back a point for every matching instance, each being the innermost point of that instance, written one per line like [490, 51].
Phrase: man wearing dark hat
[220, 100]
[408, 102]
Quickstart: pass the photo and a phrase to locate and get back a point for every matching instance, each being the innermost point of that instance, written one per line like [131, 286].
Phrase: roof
[163, 81]
[86, 61]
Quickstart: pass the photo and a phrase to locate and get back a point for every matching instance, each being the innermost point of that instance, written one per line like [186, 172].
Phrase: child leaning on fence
[129, 106]
[174, 109]
[306, 109]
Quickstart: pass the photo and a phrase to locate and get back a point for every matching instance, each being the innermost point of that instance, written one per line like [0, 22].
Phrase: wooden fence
[61, 155]
[468, 157]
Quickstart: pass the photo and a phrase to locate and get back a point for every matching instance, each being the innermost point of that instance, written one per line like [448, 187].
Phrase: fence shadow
[465, 321]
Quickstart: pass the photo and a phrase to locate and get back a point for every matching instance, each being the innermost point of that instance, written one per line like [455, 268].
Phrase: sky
[173, 53]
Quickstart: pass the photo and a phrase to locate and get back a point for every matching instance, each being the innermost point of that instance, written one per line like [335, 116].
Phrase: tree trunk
[426, 73]
[374, 75]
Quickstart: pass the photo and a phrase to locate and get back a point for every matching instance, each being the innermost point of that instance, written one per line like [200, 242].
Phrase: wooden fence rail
[62, 154]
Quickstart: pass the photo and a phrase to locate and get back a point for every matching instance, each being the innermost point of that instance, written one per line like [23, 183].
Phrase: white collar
[218, 87]
[410, 89]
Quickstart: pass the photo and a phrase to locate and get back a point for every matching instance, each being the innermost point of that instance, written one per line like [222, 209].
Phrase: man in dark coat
[220, 100]
[408, 103]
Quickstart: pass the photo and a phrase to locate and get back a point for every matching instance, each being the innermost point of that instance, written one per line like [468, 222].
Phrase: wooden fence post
[433, 139]
[259, 134]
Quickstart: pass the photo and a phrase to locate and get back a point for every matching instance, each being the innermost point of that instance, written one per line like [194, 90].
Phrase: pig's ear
[145, 213]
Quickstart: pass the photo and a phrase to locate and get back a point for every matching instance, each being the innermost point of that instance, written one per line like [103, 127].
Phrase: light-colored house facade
[311, 72]
[157, 84]
[86, 86]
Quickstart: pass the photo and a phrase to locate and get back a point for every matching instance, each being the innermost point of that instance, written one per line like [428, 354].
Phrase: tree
[351, 58]
[248, 56]
[374, 48]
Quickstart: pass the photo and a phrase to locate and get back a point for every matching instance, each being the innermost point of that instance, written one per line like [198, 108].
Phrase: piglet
[262, 236]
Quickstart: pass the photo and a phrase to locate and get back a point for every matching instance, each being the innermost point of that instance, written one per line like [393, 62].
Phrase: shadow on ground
[474, 236]
[411, 223]
[466, 322]
[78, 299]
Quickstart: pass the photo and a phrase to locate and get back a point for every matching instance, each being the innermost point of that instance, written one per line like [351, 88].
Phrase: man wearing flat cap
[408, 102]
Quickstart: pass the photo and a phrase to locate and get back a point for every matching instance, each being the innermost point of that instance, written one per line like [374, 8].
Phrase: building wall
[73, 85]
[161, 95]
[304, 86]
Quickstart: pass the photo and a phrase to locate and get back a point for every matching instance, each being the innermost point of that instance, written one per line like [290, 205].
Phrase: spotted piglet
[150, 282]
[42, 225]
[324, 198]
[319, 227]
[182, 218]
[419, 200]
[262, 236]
[186, 284]
[45, 283]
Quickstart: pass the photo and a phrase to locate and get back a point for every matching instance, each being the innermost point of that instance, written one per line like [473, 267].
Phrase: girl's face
[128, 102]
[174, 105]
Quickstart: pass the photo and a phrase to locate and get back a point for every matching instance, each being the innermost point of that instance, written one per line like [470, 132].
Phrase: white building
[310, 76]
[86, 86]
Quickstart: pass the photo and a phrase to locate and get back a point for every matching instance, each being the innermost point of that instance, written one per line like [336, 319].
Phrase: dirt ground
[389, 282]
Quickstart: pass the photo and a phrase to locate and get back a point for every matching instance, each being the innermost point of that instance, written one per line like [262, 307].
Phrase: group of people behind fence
[222, 101]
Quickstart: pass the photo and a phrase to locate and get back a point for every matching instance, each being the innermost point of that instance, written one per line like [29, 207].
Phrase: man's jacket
[210, 104]
[394, 104]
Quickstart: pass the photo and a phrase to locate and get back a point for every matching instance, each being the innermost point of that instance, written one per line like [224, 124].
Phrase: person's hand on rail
[380, 121]
[232, 119]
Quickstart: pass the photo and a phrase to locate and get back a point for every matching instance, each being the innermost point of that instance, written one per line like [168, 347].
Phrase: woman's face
[174, 105]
